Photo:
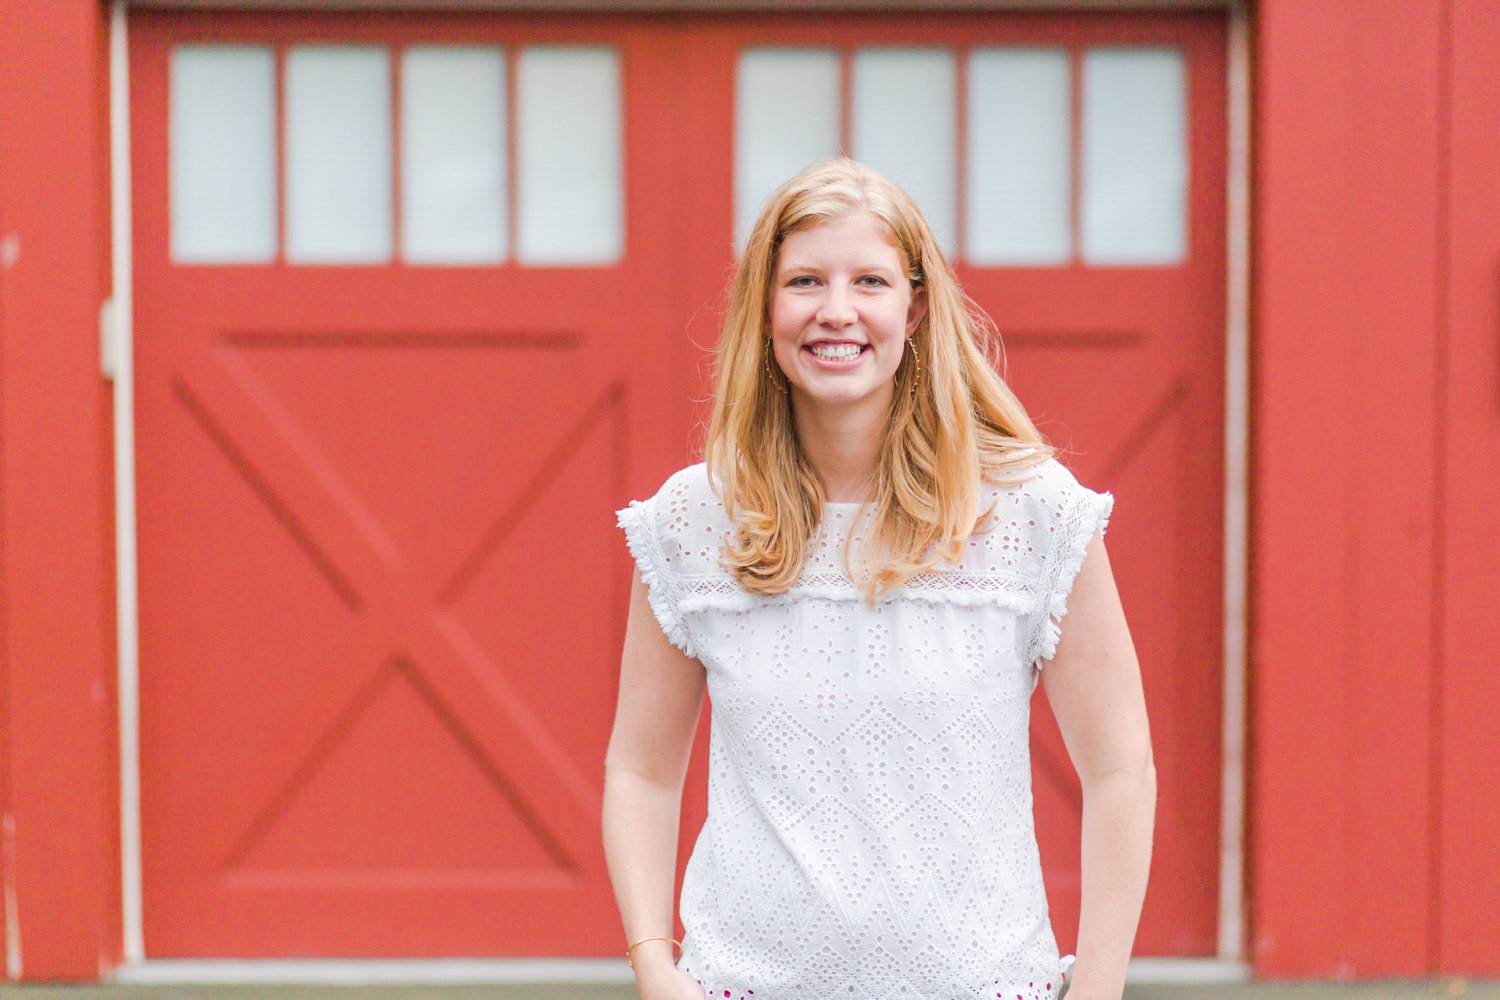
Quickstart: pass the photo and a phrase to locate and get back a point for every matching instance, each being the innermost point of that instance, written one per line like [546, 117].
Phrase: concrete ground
[1445, 989]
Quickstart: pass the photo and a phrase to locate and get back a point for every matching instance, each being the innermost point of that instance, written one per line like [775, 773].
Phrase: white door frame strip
[1232, 947]
[1228, 966]
[120, 366]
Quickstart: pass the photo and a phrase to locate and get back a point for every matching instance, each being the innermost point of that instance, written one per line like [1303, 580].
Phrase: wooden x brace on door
[401, 607]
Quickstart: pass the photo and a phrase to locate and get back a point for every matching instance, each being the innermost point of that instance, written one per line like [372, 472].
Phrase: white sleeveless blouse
[869, 832]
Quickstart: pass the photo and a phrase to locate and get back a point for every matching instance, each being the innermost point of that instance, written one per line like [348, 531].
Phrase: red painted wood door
[1123, 369]
[377, 672]
[382, 591]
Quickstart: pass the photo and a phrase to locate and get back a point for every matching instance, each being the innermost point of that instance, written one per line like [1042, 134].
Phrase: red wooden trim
[1443, 280]
[1468, 879]
[56, 492]
[1347, 173]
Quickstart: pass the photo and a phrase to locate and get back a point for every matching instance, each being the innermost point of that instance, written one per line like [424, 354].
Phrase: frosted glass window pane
[453, 155]
[338, 155]
[1134, 157]
[222, 149]
[904, 117]
[570, 203]
[786, 116]
[1019, 180]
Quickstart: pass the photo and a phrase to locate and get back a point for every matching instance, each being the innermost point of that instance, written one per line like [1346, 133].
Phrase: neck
[842, 443]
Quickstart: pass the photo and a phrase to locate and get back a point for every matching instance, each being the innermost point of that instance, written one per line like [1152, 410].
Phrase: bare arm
[661, 694]
[1093, 684]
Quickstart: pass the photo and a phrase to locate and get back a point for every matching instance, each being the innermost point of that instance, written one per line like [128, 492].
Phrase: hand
[660, 981]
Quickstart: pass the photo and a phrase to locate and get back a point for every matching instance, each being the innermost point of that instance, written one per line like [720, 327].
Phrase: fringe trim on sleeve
[639, 523]
[1089, 514]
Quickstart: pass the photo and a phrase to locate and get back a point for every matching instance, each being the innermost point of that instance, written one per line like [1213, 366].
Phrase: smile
[836, 352]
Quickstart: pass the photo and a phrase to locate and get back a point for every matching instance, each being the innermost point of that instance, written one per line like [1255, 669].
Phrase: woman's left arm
[1093, 684]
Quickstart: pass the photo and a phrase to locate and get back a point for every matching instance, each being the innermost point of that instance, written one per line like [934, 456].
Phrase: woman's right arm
[661, 695]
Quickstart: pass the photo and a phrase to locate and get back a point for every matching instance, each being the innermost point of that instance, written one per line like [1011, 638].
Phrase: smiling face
[841, 310]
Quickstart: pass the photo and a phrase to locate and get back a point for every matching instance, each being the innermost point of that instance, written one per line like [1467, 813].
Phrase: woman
[868, 573]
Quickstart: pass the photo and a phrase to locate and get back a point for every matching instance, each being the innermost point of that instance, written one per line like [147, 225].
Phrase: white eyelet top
[869, 832]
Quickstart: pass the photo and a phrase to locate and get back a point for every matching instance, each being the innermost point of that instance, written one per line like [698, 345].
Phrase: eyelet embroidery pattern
[1002, 991]
[869, 828]
[1031, 992]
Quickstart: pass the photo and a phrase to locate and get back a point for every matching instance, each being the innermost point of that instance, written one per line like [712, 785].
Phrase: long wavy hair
[959, 424]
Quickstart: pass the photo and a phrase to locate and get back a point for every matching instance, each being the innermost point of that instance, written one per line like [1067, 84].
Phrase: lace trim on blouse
[674, 595]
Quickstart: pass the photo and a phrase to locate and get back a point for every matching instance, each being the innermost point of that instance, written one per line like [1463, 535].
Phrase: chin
[839, 395]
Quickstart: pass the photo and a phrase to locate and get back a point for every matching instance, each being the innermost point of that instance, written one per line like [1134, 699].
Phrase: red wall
[1360, 802]
[57, 756]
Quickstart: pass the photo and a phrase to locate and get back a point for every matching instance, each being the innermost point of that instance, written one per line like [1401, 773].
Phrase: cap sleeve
[643, 536]
[1077, 515]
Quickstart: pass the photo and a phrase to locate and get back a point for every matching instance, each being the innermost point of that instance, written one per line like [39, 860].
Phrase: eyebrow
[861, 269]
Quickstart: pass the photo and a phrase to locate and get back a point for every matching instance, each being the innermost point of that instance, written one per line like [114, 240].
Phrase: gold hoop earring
[916, 379]
[766, 354]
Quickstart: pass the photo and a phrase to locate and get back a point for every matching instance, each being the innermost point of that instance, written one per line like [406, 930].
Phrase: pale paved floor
[1447, 989]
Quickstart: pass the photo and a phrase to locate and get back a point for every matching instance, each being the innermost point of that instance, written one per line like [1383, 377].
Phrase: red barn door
[381, 586]
[1074, 166]
[1122, 365]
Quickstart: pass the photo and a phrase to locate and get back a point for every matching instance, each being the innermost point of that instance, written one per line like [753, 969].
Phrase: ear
[917, 309]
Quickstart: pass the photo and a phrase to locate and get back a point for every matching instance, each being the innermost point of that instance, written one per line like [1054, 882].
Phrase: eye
[802, 281]
[872, 279]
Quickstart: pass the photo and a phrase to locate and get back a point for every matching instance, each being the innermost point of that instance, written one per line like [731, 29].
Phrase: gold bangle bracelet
[630, 960]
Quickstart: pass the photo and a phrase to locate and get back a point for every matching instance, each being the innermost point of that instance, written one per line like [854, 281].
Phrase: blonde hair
[962, 423]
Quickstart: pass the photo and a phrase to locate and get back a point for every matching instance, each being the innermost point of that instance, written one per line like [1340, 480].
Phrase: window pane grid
[422, 155]
[432, 155]
[1020, 156]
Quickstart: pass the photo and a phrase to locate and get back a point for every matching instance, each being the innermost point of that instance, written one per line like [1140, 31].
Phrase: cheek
[784, 331]
[890, 325]
[786, 317]
[892, 356]
[788, 321]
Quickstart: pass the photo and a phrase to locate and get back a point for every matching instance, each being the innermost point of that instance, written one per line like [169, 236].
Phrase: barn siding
[1468, 649]
[1350, 177]
[59, 761]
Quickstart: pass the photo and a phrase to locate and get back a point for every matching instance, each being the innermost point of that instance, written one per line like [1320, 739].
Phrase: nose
[837, 310]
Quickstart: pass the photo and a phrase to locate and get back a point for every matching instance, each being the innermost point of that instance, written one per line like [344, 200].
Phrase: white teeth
[836, 352]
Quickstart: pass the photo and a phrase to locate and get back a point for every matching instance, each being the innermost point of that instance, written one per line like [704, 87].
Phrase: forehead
[859, 239]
